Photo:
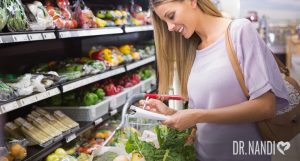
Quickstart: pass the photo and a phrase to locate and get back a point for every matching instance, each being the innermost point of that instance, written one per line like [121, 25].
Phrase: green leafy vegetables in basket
[171, 146]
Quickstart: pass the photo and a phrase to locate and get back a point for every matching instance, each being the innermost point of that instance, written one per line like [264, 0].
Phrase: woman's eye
[171, 16]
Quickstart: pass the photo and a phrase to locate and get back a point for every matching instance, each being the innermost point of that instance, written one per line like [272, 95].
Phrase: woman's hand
[184, 119]
[157, 106]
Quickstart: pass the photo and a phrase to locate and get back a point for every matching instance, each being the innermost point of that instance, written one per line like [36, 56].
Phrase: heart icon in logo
[283, 146]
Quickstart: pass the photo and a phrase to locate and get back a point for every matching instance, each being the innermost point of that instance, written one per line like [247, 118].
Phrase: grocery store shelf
[68, 86]
[10, 106]
[26, 36]
[37, 153]
[129, 29]
[140, 63]
[92, 79]
[89, 32]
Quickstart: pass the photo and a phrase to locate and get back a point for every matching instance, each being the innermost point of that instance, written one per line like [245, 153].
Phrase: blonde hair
[172, 48]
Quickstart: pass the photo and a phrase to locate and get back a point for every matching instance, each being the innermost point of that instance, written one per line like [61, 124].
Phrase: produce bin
[134, 90]
[146, 85]
[117, 100]
[84, 113]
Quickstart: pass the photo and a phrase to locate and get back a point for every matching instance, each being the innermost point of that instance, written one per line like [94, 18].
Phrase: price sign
[35, 37]
[48, 36]
[20, 38]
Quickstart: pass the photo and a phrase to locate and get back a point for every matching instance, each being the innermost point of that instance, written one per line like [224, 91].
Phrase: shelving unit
[21, 102]
[38, 153]
[30, 36]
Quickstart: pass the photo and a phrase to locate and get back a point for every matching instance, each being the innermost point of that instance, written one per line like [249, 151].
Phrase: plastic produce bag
[38, 16]
[3, 14]
[6, 92]
[17, 20]
[84, 15]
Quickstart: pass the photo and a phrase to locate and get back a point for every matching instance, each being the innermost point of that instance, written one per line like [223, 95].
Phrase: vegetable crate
[134, 90]
[85, 113]
[117, 100]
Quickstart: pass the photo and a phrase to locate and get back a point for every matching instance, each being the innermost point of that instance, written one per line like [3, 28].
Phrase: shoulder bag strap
[234, 62]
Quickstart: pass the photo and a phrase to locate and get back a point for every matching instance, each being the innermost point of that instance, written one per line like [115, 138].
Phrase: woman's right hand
[157, 106]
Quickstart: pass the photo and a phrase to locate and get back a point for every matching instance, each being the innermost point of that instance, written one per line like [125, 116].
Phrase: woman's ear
[194, 3]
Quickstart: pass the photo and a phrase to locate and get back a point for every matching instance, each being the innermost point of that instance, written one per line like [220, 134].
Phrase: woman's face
[179, 16]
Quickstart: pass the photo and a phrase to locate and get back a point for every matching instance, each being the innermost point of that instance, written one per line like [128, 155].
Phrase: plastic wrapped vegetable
[17, 20]
[6, 92]
[3, 14]
[38, 16]
[84, 15]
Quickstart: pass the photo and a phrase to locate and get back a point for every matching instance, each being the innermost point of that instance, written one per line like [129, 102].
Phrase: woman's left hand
[183, 119]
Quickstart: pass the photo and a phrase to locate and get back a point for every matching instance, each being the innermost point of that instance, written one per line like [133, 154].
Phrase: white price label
[20, 38]
[84, 33]
[70, 138]
[27, 100]
[9, 107]
[35, 37]
[53, 92]
[41, 96]
[48, 36]
[98, 121]
[112, 113]
[65, 34]
[1, 40]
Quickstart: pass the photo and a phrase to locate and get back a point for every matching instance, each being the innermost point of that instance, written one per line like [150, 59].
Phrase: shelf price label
[1, 42]
[65, 34]
[35, 37]
[48, 36]
[20, 38]
[112, 113]
[98, 121]
[70, 138]
[27, 101]
[9, 107]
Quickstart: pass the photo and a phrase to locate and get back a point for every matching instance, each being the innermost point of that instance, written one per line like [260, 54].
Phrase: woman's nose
[171, 26]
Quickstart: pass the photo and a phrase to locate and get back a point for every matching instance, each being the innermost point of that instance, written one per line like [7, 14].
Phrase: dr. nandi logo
[259, 147]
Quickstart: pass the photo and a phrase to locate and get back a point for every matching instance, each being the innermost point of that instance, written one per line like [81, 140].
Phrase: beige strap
[234, 62]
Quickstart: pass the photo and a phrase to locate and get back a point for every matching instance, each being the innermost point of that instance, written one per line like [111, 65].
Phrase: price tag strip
[9, 107]
[98, 121]
[35, 37]
[112, 113]
[139, 28]
[70, 138]
[1, 42]
[49, 36]
[20, 38]
[140, 63]
[92, 79]
[65, 34]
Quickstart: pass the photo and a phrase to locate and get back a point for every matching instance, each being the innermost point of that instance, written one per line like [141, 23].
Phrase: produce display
[26, 84]
[87, 96]
[40, 127]
[16, 150]
[115, 56]
[61, 14]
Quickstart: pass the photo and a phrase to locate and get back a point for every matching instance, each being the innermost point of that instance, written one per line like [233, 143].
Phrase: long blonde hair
[172, 48]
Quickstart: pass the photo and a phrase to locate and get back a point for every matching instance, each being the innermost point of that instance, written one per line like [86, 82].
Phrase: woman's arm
[258, 109]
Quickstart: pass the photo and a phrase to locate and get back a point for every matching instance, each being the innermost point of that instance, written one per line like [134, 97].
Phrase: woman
[189, 36]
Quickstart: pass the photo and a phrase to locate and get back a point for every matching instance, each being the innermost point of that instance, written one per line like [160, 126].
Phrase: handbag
[285, 125]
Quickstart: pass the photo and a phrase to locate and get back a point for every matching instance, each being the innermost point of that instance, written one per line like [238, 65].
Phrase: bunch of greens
[3, 14]
[171, 145]
[17, 20]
